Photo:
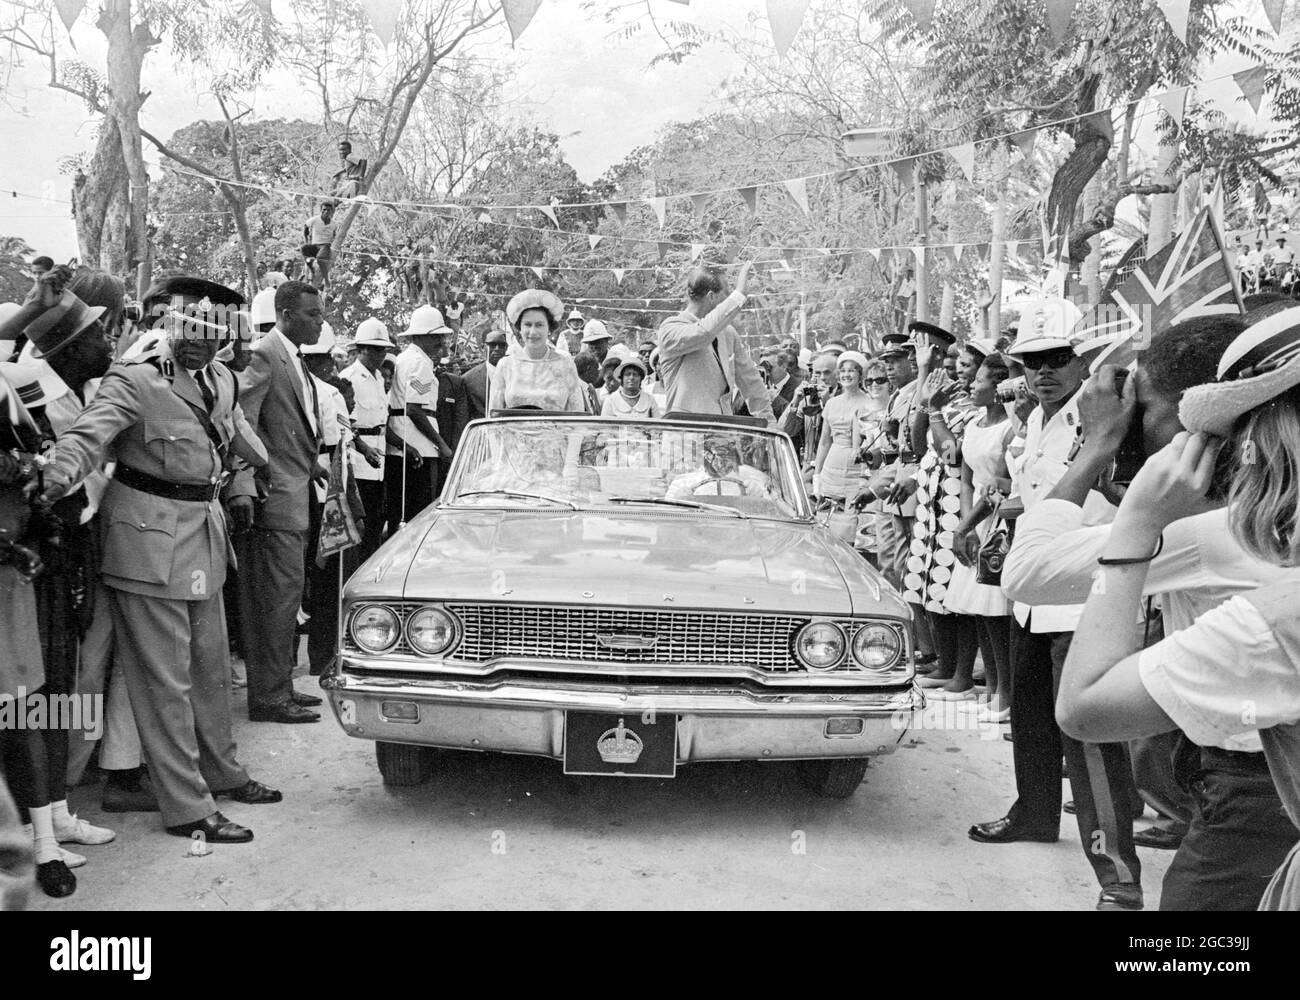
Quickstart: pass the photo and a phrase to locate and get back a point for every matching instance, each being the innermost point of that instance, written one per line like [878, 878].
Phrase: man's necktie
[311, 392]
[209, 400]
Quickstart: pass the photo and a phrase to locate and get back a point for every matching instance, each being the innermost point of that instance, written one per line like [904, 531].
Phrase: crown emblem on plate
[619, 745]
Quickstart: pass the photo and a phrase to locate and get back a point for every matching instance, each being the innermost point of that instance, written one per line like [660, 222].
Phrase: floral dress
[938, 511]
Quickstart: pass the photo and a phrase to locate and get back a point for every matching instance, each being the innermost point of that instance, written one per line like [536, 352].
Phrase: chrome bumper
[713, 723]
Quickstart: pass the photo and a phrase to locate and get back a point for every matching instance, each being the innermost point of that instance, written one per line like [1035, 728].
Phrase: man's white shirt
[413, 382]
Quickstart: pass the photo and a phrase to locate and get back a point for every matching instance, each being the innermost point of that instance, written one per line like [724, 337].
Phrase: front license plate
[631, 745]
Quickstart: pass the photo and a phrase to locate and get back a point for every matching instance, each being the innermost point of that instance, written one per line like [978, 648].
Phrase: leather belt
[396, 413]
[370, 431]
[188, 492]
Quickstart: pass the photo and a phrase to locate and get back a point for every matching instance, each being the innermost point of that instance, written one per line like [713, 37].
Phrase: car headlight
[375, 629]
[820, 645]
[876, 646]
[431, 631]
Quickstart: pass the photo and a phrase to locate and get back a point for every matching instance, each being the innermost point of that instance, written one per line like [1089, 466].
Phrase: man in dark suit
[785, 379]
[476, 379]
[453, 401]
[280, 401]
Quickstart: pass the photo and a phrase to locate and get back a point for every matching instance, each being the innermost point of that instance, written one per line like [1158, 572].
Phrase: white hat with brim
[1038, 345]
[372, 333]
[34, 381]
[535, 298]
[594, 331]
[983, 346]
[1260, 365]
[854, 357]
[426, 321]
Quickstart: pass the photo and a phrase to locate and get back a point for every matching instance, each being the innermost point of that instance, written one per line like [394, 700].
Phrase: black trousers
[1101, 775]
[419, 489]
[372, 499]
[1239, 835]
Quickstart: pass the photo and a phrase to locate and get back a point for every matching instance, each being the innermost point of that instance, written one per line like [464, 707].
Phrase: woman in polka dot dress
[947, 407]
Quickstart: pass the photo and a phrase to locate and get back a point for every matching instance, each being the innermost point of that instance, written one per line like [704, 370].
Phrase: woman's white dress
[981, 449]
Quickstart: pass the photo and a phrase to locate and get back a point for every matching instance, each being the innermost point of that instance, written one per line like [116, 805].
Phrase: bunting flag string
[1058, 18]
[594, 240]
[750, 196]
[698, 204]
[798, 188]
[784, 17]
[383, 16]
[965, 157]
[69, 11]
[1251, 84]
[660, 206]
[1174, 102]
[518, 14]
[922, 11]
[1177, 14]
[1273, 11]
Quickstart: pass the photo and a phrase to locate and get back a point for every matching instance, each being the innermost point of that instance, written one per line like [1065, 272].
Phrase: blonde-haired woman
[836, 472]
[1237, 668]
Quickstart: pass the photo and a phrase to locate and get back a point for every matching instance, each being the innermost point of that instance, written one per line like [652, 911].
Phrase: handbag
[993, 552]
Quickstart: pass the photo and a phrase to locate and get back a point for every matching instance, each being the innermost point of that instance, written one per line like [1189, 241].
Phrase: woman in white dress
[836, 472]
[983, 456]
[538, 377]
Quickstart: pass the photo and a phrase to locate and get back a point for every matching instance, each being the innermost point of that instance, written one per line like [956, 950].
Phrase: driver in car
[723, 474]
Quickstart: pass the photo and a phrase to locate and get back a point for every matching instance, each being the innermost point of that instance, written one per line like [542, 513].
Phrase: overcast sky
[593, 89]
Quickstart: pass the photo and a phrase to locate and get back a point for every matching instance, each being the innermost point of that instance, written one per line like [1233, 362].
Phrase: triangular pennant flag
[1273, 11]
[1058, 17]
[750, 194]
[698, 203]
[660, 206]
[697, 249]
[784, 17]
[886, 261]
[1251, 83]
[787, 254]
[919, 254]
[549, 212]
[1024, 141]
[798, 188]
[383, 18]
[593, 240]
[922, 11]
[875, 253]
[518, 14]
[485, 216]
[620, 210]
[984, 249]
[905, 171]
[957, 251]
[1173, 101]
[1013, 247]
[69, 11]
[664, 247]
[618, 273]
[951, 254]
[1176, 12]
[539, 271]
[965, 157]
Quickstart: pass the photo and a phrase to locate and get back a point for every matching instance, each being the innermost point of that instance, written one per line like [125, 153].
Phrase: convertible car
[625, 597]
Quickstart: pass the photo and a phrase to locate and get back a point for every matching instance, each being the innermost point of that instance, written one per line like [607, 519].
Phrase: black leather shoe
[1068, 807]
[1160, 839]
[1008, 831]
[1121, 896]
[305, 700]
[55, 880]
[216, 829]
[288, 712]
[252, 794]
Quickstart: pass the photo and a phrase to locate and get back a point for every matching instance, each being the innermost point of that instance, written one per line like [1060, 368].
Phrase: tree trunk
[1161, 227]
[127, 48]
[1090, 277]
[101, 205]
[1092, 141]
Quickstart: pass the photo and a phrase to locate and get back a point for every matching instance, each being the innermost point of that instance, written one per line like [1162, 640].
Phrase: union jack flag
[1189, 277]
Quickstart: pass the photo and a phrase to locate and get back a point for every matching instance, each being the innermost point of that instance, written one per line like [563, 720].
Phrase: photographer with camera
[802, 420]
[1238, 834]
[1101, 776]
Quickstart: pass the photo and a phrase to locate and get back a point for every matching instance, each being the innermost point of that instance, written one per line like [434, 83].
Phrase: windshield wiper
[519, 496]
[692, 504]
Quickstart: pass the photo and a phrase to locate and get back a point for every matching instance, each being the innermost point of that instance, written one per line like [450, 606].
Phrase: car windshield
[732, 472]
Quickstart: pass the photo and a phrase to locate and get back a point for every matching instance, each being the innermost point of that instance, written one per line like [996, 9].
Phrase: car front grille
[612, 635]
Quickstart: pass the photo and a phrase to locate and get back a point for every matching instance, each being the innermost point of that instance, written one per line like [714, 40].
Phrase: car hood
[644, 559]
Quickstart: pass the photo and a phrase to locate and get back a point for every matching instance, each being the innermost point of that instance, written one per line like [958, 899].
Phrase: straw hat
[1261, 364]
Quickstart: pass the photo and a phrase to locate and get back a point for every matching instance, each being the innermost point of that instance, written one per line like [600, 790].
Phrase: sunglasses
[1057, 359]
[875, 381]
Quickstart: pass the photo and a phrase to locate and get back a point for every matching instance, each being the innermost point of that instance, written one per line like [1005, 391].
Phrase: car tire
[402, 764]
[834, 779]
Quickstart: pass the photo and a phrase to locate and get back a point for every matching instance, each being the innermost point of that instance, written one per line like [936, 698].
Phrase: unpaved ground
[491, 831]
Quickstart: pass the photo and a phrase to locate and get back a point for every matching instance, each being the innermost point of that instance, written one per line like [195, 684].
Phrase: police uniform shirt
[369, 409]
[1042, 465]
[413, 382]
[336, 425]
[901, 408]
